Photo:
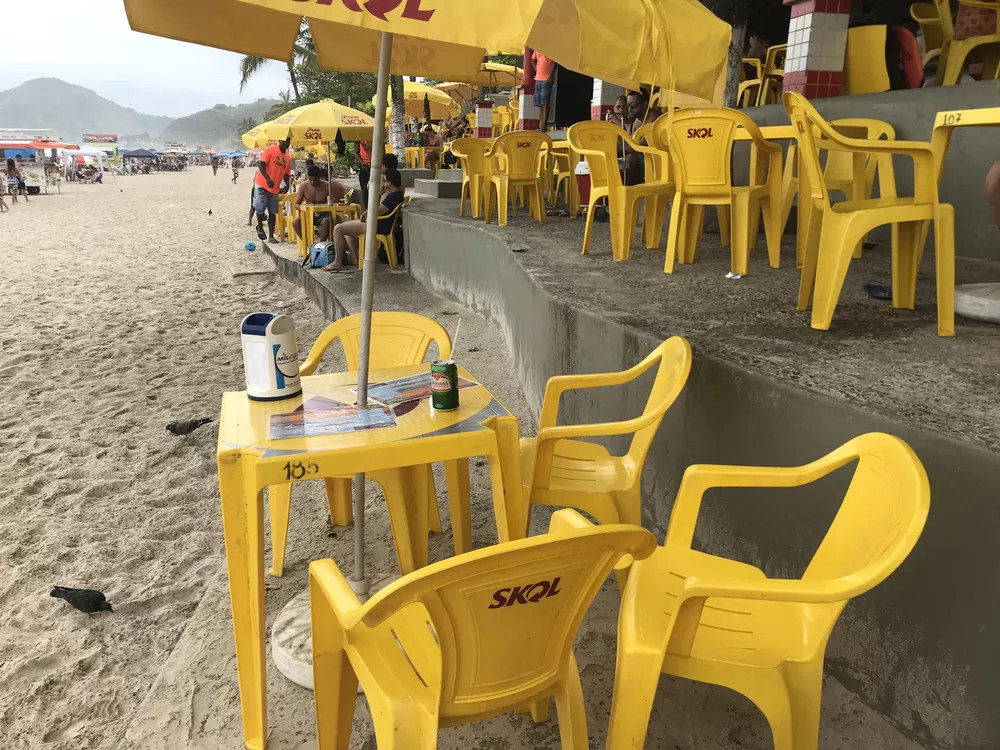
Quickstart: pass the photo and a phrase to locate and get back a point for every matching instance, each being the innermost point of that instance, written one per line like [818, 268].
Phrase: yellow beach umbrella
[494, 75]
[313, 123]
[442, 105]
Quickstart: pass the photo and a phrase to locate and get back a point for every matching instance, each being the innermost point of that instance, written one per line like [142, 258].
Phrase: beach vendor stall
[84, 164]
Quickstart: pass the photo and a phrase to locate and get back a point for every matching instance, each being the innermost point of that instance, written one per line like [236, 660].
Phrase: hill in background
[216, 126]
[70, 111]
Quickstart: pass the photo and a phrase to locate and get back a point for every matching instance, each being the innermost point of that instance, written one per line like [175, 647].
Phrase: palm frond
[249, 67]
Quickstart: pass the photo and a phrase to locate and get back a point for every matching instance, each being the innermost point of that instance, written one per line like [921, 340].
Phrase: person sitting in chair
[345, 234]
[316, 190]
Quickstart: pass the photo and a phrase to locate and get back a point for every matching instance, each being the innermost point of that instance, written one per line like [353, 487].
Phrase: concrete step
[439, 188]
[411, 175]
[450, 175]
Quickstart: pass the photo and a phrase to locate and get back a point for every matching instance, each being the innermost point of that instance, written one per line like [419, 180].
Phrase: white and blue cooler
[270, 357]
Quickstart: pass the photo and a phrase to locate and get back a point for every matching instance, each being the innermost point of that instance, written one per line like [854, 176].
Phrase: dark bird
[187, 426]
[209, 212]
[85, 600]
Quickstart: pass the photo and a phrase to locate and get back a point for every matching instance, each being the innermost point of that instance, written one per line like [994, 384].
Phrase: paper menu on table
[410, 388]
[329, 421]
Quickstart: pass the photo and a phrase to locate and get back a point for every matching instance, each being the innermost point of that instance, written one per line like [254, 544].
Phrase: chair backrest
[500, 621]
[774, 62]
[805, 118]
[597, 142]
[944, 18]
[701, 143]
[472, 153]
[840, 164]
[926, 14]
[751, 69]
[524, 150]
[397, 215]
[865, 69]
[881, 516]
[398, 339]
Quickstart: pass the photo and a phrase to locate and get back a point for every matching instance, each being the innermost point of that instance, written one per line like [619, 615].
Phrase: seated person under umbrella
[315, 190]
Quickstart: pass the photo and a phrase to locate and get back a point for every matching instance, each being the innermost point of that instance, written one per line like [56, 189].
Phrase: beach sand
[123, 304]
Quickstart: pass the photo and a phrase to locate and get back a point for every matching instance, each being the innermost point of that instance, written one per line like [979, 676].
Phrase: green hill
[70, 110]
[216, 126]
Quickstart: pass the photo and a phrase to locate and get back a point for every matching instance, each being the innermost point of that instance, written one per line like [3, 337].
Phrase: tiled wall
[529, 114]
[484, 119]
[604, 98]
[817, 39]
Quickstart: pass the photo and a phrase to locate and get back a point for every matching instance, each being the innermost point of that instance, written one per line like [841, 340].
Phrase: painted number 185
[297, 469]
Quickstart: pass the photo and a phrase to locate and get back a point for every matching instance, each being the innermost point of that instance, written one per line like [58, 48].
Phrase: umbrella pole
[358, 582]
[329, 176]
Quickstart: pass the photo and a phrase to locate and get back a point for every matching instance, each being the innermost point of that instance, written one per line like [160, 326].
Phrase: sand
[122, 309]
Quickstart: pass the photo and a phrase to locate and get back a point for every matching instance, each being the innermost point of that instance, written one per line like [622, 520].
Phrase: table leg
[243, 522]
[457, 477]
[505, 478]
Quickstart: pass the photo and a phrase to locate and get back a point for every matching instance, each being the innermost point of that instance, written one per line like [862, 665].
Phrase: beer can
[444, 385]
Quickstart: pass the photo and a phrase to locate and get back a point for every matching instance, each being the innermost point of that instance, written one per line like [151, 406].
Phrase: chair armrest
[700, 478]
[559, 384]
[325, 576]
[903, 148]
[600, 429]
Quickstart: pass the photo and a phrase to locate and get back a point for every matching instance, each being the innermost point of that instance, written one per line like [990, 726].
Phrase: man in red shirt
[543, 87]
[272, 171]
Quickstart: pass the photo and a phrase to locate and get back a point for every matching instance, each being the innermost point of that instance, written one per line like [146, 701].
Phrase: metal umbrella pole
[358, 581]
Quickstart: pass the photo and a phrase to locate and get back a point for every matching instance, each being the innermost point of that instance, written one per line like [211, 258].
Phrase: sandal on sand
[261, 234]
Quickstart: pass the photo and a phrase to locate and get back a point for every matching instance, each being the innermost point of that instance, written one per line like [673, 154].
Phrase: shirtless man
[432, 145]
[315, 190]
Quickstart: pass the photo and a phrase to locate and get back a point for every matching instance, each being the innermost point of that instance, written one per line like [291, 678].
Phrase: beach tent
[81, 155]
[140, 153]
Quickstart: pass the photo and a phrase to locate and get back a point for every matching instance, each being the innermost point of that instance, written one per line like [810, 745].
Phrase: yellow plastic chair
[464, 639]
[926, 14]
[749, 88]
[388, 241]
[517, 165]
[561, 173]
[412, 154]
[597, 142]
[715, 620]
[398, 339]
[658, 163]
[955, 52]
[282, 223]
[701, 142]
[471, 152]
[835, 230]
[865, 69]
[773, 75]
[840, 173]
[558, 468]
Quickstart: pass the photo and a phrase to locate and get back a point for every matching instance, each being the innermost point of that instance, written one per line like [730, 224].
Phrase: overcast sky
[89, 43]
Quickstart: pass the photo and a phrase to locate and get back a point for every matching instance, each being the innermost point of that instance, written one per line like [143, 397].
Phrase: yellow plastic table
[946, 122]
[249, 461]
[308, 213]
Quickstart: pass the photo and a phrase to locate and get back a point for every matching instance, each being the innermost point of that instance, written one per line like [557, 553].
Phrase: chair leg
[637, 674]
[433, 512]
[465, 197]
[789, 184]
[907, 250]
[675, 232]
[695, 223]
[502, 196]
[836, 246]
[279, 501]
[588, 227]
[944, 259]
[753, 217]
[570, 709]
[811, 219]
[456, 474]
[955, 62]
[488, 190]
[338, 497]
[771, 208]
[405, 496]
[741, 232]
[540, 710]
[723, 213]
[335, 683]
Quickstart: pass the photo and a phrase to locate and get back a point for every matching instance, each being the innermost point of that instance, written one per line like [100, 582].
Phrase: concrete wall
[922, 647]
[972, 152]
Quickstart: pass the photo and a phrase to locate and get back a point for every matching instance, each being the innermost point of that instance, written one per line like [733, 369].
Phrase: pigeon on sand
[85, 600]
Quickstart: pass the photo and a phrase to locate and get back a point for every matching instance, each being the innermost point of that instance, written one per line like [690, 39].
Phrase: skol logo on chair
[379, 8]
[533, 592]
[699, 132]
[524, 144]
